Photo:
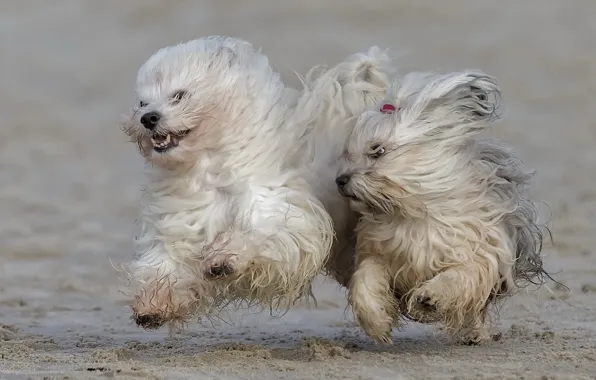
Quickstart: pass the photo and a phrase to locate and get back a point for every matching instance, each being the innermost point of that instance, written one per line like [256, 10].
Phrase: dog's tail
[333, 98]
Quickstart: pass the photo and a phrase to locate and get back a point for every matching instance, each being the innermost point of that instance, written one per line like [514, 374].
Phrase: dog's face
[183, 98]
[404, 154]
[370, 176]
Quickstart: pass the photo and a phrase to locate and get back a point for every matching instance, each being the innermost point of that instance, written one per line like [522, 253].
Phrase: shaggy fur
[446, 229]
[240, 203]
[329, 107]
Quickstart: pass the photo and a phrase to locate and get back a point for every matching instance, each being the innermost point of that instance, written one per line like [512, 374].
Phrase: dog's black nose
[150, 119]
[342, 180]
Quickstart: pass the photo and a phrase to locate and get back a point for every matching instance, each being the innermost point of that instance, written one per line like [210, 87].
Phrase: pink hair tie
[388, 108]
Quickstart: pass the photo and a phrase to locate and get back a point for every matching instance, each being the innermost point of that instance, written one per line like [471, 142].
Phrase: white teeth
[162, 143]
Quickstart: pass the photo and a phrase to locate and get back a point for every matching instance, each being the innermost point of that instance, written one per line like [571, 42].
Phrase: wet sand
[70, 186]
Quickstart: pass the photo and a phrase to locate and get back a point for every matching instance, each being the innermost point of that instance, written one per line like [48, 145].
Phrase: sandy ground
[70, 185]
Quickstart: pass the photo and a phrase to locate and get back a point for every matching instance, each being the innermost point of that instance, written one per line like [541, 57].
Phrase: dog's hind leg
[371, 296]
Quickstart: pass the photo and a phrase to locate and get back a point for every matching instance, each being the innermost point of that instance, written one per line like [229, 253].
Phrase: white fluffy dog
[446, 229]
[240, 203]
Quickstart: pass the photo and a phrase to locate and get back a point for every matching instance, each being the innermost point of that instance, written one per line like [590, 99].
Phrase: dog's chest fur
[187, 219]
[413, 249]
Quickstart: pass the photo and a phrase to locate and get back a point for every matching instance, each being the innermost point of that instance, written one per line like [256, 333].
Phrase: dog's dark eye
[143, 104]
[376, 151]
[178, 96]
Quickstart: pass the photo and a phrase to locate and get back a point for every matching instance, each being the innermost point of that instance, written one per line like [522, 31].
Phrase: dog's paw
[376, 323]
[379, 331]
[220, 267]
[149, 321]
[477, 336]
[427, 303]
[384, 338]
[423, 305]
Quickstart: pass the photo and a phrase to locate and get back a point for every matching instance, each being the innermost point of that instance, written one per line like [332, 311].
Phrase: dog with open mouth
[240, 203]
[446, 226]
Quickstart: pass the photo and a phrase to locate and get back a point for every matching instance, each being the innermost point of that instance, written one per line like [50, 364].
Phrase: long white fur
[330, 105]
[249, 188]
[446, 227]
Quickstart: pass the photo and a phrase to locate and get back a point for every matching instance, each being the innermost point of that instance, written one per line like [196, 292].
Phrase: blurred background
[70, 182]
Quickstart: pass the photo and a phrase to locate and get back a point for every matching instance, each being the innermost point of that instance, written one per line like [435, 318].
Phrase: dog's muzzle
[342, 183]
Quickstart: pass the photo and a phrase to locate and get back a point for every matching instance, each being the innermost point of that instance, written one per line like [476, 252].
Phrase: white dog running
[240, 203]
[446, 229]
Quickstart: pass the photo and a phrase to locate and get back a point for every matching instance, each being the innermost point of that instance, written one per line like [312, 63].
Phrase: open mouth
[163, 143]
[347, 194]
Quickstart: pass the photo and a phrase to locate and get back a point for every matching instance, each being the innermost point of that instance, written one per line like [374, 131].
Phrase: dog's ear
[463, 97]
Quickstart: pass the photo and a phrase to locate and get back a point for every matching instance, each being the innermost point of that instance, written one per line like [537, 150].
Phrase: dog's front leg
[477, 329]
[269, 269]
[457, 297]
[163, 287]
[227, 256]
[371, 295]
